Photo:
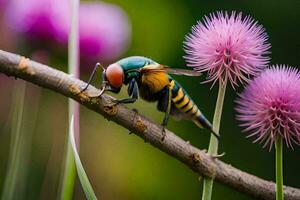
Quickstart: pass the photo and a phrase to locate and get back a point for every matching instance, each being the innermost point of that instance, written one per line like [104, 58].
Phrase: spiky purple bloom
[228, 47]
[269, 107]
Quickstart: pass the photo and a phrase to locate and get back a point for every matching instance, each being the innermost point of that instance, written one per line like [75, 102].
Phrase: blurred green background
[122, 166]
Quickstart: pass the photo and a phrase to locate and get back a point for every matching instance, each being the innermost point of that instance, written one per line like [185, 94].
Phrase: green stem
[73, 50]
[69, 175]
[15, 153]
[213, 144]
[279, 176]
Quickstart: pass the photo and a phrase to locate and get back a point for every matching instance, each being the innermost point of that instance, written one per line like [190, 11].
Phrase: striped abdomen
[186, 107]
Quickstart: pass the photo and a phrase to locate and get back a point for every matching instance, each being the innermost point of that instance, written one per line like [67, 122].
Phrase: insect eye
[114, 75]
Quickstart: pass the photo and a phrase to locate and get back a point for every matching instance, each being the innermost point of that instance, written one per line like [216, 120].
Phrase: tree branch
[197, 160]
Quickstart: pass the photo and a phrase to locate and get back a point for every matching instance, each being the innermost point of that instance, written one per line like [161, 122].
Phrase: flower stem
[279, 176]
[73, 62]
[213, 144]
[17, 145]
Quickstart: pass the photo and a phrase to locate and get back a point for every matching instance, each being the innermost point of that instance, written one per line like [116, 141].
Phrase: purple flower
[104, 32]
[104, 29]
[269, 107]
[2, 4]
[45, 20]
[228, 47]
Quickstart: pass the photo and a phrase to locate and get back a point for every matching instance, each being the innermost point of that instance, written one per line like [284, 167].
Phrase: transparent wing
[184, 72]
[169, 70]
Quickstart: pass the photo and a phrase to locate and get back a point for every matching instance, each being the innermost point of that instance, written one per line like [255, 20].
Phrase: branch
[197, 160]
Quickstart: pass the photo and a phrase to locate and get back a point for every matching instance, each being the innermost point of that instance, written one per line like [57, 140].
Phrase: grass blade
[23, 116]
[68, 175]
[73, 68]
[85, 183]
[15, 152]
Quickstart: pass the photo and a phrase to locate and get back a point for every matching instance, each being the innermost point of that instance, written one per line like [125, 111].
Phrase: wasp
[152, 82]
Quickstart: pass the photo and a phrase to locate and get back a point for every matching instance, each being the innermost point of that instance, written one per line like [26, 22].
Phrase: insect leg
[168, 104]
[168, 98]
[133, 91]
[91, 77]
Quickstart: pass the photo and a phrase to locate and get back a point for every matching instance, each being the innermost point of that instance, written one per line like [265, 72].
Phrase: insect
[152, 82]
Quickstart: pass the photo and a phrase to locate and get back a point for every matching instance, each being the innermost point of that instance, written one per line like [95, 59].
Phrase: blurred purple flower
[41, 56]
[2, 4]
[269, 107]
[104, 29]
[227, 46]
[45, 20]
[104, 32]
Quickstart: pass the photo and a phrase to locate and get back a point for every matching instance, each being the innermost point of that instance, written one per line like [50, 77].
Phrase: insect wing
[152, 69]
[169, 70]
[184, 72]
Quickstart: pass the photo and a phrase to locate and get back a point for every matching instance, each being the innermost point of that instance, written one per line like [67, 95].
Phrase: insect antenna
[92, 75]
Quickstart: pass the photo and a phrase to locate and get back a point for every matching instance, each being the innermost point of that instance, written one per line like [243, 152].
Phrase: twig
[197, 160]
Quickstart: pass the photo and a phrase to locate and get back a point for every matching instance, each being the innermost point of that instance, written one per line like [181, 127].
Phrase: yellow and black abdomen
[152, 87]
[184, 106]
[152, 84]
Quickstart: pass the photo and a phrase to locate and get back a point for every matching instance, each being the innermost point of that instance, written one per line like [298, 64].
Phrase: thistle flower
[228, 47]
[269, 107]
